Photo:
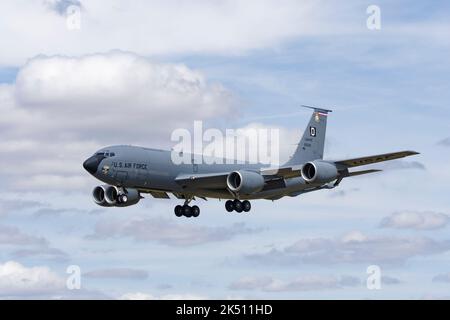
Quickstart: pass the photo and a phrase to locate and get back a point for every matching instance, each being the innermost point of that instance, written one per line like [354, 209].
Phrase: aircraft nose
[91, 165]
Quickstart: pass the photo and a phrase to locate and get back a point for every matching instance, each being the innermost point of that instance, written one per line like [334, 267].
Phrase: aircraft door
[121, 176]
[142, 174]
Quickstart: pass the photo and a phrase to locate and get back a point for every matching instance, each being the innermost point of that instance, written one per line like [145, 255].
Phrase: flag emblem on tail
[318, 115]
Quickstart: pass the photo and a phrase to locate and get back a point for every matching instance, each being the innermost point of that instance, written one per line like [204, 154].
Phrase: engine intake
[319, 172]
[99, 196]
[109, 196]
[112, 195]
[245, 182]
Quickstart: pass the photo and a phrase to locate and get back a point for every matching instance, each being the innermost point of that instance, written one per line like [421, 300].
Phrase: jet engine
[109, 196]
[319, 172]
[99, 196]
[245, 182]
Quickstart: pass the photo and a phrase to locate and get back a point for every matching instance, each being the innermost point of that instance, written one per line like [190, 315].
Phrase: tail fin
[312, 143]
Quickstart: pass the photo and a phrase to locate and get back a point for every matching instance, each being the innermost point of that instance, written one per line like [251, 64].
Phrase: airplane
[130, 171]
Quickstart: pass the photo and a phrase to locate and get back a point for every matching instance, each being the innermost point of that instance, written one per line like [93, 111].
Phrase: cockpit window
[105, 154]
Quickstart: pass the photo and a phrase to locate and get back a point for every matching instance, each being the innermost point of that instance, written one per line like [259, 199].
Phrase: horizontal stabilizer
[317, 109]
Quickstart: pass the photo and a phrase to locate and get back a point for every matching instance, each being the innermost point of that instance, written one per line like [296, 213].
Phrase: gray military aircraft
[130, 171]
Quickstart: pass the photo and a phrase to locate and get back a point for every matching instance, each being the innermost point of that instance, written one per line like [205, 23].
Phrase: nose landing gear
[238, 206]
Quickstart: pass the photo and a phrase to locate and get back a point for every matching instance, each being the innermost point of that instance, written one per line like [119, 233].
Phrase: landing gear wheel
[187, 211]
[195, 211]
[229, 206]
[246, 206]
[237, 205]
[178, 210]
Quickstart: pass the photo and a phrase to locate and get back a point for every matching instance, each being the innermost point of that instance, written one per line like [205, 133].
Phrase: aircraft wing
[203, 180]
[219, 180]
[290, 172]
[285, 172]
[349, 163]
[159, 194]
[358, 173]
[343, 165]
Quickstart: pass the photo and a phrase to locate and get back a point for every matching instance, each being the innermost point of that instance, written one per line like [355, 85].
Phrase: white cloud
[46, 131]
[95, 95]
[13, 236]
[51, 181]
[390, 280]
[118, 273]
[137, 296]
[303, 283]
[18, 280]
[61, 109]
[352, 248]
[146, 296]
[173, 27]
[42, 252]
[167, 231]
[156, 27]
[26, 245]
[444, 142]
[251, 283]
[8, 206]
[38, 282]
[426, 220]
[61, 6]
[256, 142]
[444, 277]
[356, 236]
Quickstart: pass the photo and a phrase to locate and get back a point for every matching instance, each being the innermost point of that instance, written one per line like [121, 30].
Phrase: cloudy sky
[133, 73]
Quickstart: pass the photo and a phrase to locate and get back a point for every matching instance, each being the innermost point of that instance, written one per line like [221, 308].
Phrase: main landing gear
[231, 205]
[238, 206]
[186, 210]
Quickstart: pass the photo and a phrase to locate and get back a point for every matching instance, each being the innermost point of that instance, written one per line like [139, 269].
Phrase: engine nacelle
[99, 196]
[245, 182]
[109, 196]
[319, 172]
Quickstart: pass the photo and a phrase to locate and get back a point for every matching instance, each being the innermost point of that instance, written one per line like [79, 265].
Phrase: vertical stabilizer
[312, 143]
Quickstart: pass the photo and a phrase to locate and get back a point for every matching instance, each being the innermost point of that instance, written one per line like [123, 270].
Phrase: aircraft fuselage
[149, 169]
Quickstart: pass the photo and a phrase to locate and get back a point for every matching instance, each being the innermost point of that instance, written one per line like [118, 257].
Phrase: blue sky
[256, 63]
